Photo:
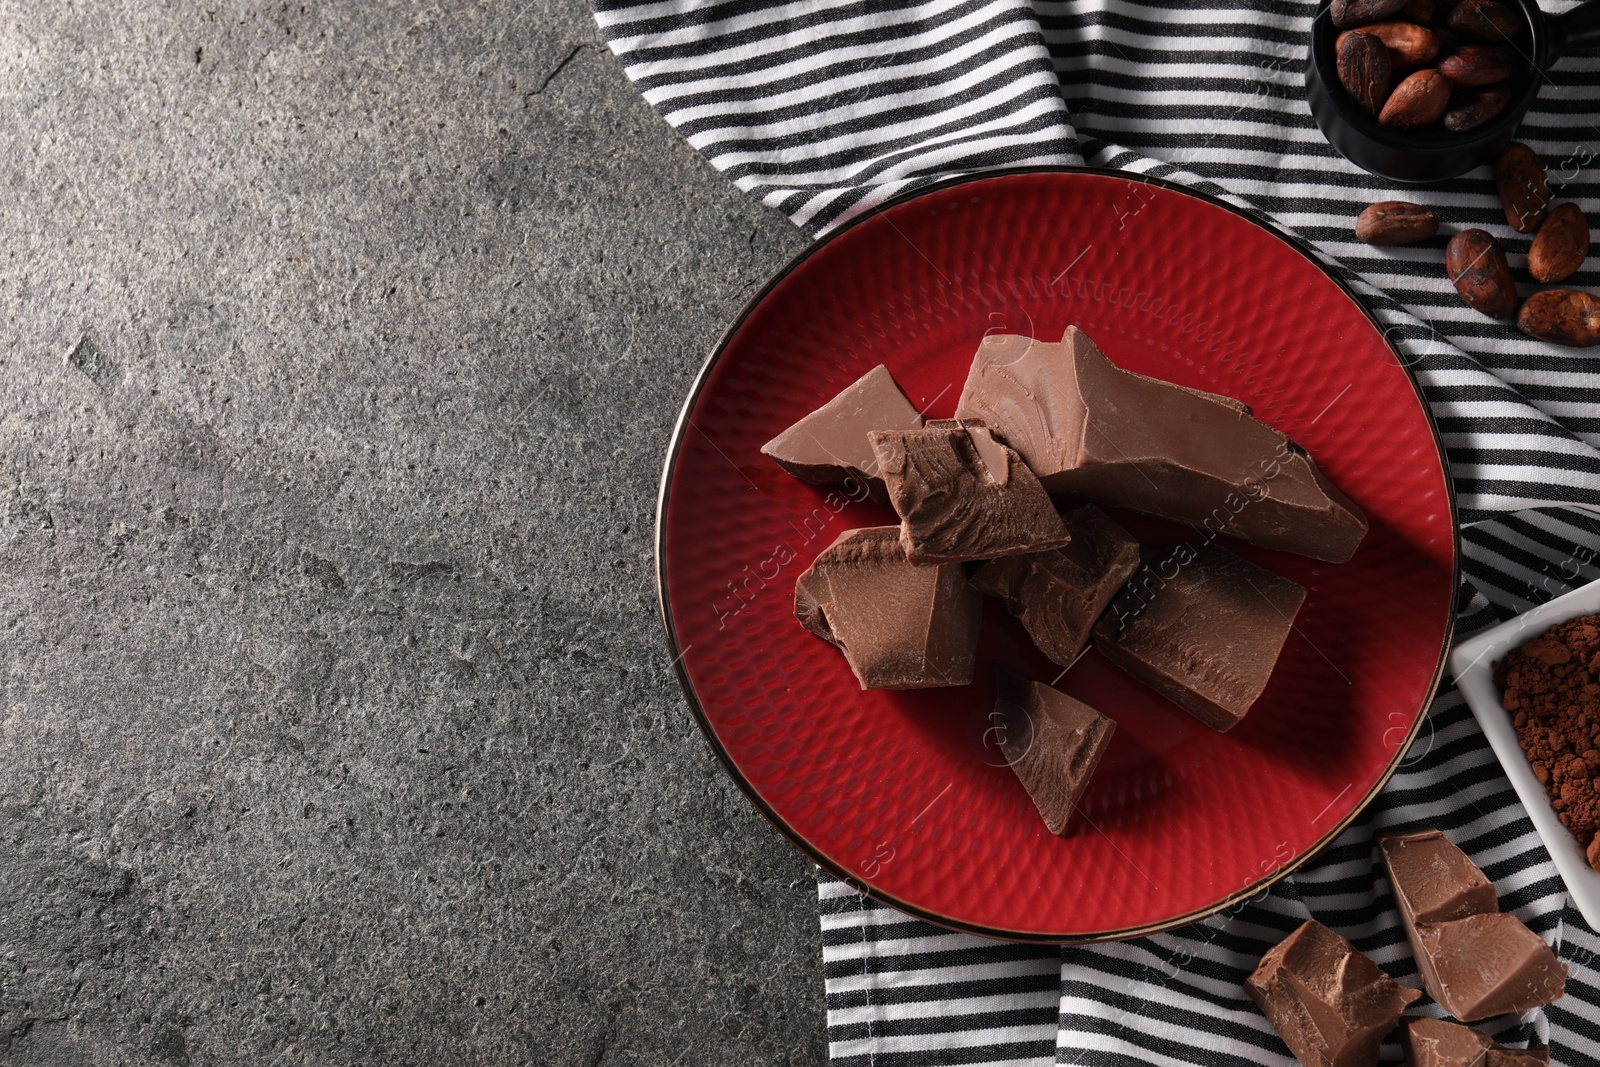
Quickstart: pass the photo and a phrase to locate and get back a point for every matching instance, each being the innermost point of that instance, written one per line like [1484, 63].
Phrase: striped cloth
[825, 108]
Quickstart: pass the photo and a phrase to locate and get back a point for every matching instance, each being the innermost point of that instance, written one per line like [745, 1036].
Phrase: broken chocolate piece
[1437, 1043]
[1203, 628]
[1059, 594]
[830, 444]
[961, 495]
[1330, 1004]
[1474, 960]
[1051, 741]
[1087, 427]
[1487, 965]
[900, 626]
[1433, 880]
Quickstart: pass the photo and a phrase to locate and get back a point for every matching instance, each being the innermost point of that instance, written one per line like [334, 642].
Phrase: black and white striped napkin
[823, 108]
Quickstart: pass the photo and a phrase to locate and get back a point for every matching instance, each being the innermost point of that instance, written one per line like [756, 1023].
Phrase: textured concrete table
[337, 726]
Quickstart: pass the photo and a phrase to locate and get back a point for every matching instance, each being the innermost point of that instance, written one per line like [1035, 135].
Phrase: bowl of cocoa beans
[1425, 90]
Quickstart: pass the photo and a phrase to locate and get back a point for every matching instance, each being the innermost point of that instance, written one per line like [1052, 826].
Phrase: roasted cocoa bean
[1560, 246]
[1396, 222]
[1364, 70]
[1562, 317]
[1417, 102]
[1524, 191]
[1348, 13]
[1487, 20]
[1410, 46]
[1473, 65]
[1477, 265]
[1472, 110]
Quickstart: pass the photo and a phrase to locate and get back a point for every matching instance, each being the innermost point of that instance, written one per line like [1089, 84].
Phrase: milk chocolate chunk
[961, 494]
[1433, 880]
[1203, 628]
[1330, 1004]
[900, 626]
[1087, 427]
[1487, 965]
[1059, 594]
[1051, 741]
[1437, 1043]
[1474, 960]
[830, 444]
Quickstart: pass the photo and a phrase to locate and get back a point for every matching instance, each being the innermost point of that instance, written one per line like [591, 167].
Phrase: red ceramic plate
[899, 792]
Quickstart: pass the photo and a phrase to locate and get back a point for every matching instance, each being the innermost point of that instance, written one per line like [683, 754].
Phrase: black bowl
[1435, 155]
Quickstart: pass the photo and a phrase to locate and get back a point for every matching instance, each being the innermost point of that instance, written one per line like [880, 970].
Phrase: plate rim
[815, 854]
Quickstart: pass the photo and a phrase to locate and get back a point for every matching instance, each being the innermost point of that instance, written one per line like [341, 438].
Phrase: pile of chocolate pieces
[1333, 1006]
[1198, 624]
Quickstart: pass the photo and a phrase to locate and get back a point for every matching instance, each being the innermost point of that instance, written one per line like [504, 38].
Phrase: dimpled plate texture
[905, 793]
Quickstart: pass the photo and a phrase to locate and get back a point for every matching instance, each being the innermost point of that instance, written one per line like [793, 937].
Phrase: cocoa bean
[1348, 13]
[1477, 265]
[1396, 222]
[1474, 109]
[1473, 65]
[1487, 20]
[1524, 191]
[1409, 45]
[1416, 102]
[1562, 317]
[1364, 70]
[1418, 11]
[1560, 246]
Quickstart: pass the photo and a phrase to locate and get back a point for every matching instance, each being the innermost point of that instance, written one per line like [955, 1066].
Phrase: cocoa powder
[1550, 687]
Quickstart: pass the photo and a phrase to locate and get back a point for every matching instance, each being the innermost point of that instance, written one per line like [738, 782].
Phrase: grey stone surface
[336, 723]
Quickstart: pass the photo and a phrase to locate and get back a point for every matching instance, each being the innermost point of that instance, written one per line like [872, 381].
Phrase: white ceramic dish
[1472, 663]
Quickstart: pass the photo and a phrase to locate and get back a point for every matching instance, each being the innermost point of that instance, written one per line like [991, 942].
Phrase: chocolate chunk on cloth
[962, 495]
[1051, 741]
[1202, 627]
[1433, 880]
[1087, 427]
[830, 444]
[1487, 965]
[1331, 1005]
[1059, 594]
[1437, 1043]
[900, 626]
[1476, 961]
